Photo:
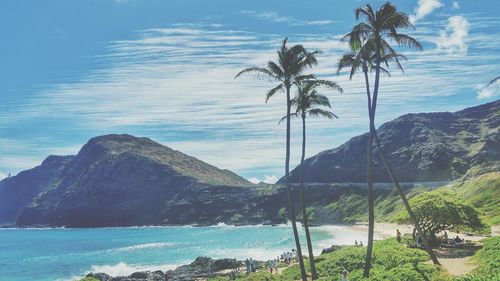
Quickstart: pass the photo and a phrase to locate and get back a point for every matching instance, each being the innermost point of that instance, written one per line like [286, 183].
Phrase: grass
[89, 279]
[487, 260]
[392, 261]
[484, 193]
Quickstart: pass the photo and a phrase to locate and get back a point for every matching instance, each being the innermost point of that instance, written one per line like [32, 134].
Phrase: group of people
[287, 257]
[272, 265]
[250, 265]
[358, 244]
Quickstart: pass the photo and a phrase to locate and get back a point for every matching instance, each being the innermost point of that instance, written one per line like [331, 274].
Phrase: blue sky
[71, 70]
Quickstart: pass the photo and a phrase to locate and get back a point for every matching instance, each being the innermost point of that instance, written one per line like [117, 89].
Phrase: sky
[72, 70]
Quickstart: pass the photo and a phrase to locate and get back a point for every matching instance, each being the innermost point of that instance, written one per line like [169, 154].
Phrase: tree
[362, 58]
[288, 70]
[369, 49]
[308, 102]
[438, 211]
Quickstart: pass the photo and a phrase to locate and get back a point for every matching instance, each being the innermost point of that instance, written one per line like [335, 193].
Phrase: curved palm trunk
[369, 151]
[291, 207]
[371, 206]
[395, 182]
[314, 274]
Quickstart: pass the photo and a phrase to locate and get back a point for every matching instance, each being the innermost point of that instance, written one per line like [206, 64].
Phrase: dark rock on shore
[202, 267]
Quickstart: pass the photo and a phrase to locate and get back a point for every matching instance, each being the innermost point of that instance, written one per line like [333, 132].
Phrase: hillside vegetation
[482, 192]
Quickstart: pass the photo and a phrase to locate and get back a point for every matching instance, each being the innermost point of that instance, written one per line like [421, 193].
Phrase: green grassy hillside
[483, 192]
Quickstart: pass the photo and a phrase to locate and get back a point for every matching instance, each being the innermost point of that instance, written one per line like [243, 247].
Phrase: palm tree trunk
[395, 182]
[291, 207]
[314, 274]
[371, 206]
[371, 195]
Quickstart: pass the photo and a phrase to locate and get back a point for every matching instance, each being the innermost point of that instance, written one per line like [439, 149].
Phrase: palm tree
[288, 70]
[369, 49]
[308, 102]
[363, 60]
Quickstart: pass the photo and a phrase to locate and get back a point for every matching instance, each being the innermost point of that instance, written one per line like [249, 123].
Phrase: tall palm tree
[308, 102]
[370, 48]
[291, 64]
[363, 60]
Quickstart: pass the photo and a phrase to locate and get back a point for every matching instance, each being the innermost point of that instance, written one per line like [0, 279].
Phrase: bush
[487, 260]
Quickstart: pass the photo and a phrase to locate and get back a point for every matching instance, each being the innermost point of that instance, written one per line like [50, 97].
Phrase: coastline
[383, 230]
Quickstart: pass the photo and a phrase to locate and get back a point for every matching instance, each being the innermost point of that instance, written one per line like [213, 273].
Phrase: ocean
[68, 254]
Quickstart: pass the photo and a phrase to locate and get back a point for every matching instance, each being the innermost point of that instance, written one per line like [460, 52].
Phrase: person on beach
[355, 242]
[361, 243]
[252, 265]
[247, 264]
[344, 275]
[458, 240]
[398, 235]
[418, 239]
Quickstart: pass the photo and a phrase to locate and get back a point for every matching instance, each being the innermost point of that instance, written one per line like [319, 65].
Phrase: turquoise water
[66, 254]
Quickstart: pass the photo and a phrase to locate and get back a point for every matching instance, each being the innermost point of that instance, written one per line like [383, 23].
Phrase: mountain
[17, 192]
[121, 180]
[423, 147]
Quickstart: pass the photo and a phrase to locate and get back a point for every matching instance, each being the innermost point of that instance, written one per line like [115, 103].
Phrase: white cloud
[270, 179]
[254, 180]
[453, 37]
[267, 179]
[176, 85]
[2, 176]
[455, 5]
[275, 17]
[424, 8]
[485, 92]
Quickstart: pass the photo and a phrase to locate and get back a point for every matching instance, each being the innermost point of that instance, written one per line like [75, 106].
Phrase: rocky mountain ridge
[423, 147]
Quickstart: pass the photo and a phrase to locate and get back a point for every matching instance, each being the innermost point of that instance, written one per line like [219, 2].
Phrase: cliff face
[420, 147]
[121, 180]
[17, 192]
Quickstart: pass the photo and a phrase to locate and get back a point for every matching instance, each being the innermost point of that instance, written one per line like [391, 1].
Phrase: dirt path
[457, 266]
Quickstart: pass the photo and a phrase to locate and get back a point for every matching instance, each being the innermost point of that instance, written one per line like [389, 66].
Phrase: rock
[330, 249]
[139, 275]
[223, 264]
[202, 267]
[100, 276]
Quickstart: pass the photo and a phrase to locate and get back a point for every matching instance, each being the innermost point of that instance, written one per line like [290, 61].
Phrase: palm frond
[274, 68]
[274, 90]
[321, 112]
[292, 115]
[259, 72]
[320, 100]
[405, 40]
[328, 84]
